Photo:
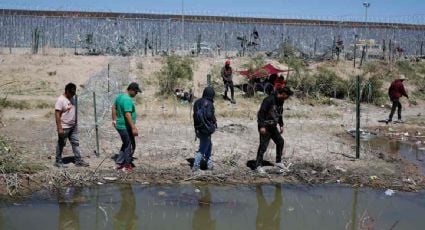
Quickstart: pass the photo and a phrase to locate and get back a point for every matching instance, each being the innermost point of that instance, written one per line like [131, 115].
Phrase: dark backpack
[201, 120]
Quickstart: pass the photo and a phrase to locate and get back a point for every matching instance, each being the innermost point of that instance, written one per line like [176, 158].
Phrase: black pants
[271, 133]
[128, 146]
[227, 85]
[396, 105]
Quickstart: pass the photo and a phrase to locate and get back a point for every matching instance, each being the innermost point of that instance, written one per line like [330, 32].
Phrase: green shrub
[176, 71]
[370, 89]
[216, 80]
[308, 84]
[406, 68]
[330, 85]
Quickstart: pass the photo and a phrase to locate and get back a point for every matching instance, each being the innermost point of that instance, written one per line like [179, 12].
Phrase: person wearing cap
[124, 121]
[66, 124]
[227, 75]
[395, 92]
[268, 117]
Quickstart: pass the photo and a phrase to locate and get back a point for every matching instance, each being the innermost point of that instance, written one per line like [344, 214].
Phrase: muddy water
[412, 151]
[214, 207]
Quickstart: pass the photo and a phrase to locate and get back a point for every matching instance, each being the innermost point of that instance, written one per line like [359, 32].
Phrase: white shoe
[283, 167]
[260, 170]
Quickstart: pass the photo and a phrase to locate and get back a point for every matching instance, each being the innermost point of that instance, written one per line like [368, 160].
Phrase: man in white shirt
[66, 124]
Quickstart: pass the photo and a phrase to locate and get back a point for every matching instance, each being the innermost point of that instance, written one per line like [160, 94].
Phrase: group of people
[269, 120]
[123, 119]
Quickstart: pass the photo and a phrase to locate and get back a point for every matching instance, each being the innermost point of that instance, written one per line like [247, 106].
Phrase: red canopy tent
[262, 72]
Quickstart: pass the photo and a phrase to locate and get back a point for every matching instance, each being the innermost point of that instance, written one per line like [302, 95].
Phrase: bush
[216, 80]
[176, 71]
[404, 67]
[308, 84]
[330, 85]
[370, 89]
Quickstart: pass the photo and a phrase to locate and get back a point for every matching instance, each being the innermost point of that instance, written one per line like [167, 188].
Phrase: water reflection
[126, 217]
[69, 199]
[202, 218]
[354, 208]
[268, 215]
[214, 207]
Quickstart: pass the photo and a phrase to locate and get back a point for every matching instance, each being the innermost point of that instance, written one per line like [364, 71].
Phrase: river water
[125, 206]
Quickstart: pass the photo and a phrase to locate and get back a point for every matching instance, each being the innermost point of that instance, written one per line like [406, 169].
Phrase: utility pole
[366, 6]
[182, 44]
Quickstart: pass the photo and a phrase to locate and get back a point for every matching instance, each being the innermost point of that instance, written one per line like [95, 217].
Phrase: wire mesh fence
[129, 34]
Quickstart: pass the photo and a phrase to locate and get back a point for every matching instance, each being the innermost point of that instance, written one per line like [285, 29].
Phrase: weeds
[11, 163]
[23, 104]
[177, 71]
[5, 103]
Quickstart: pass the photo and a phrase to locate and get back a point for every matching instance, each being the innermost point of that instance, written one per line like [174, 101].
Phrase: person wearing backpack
[205, 124]
[268, 117]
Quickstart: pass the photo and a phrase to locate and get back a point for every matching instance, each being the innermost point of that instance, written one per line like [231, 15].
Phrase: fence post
[358, 117]
[108, 77]
[96, 125]
[209, 79]
[225, 44]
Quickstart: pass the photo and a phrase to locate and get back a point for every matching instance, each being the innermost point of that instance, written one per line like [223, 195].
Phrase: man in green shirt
[124, 120]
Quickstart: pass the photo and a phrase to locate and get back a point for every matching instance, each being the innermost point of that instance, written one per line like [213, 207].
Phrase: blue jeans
[204, 152]
[72, 135]
[127, 148]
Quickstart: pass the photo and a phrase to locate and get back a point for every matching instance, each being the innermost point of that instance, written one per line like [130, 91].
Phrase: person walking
[124, 121]
[395, 92]
[268, 117]
[227, 75]
[205, 124]
[67, 128]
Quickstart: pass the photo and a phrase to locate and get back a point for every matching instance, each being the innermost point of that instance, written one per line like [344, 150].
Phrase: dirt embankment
[316, 143]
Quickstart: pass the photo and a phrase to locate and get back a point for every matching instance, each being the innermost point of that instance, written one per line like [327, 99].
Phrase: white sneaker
[260, 170]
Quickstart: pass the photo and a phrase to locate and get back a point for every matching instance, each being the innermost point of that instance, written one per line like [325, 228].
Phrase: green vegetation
[216, 81]
[5, 103]
[23, 104]
[176, 72]
[11, 163]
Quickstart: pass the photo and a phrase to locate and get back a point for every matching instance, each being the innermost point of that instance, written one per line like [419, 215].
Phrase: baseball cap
[134, 86]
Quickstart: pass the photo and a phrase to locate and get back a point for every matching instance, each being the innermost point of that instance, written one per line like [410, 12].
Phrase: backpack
[200, 118]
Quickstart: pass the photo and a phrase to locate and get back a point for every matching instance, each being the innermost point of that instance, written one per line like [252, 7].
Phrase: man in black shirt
[269, 116]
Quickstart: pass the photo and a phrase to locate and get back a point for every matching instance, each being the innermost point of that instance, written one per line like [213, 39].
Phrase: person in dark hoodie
[395, 92]
[205, 124]
[268, 117]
